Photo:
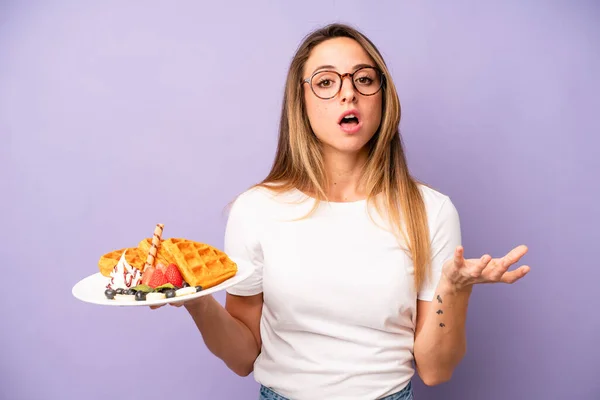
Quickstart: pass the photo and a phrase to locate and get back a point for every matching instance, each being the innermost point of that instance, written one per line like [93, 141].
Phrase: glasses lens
[367, 81]
[326, 84]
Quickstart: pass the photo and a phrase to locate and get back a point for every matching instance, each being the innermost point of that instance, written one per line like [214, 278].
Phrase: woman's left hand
[463, 273]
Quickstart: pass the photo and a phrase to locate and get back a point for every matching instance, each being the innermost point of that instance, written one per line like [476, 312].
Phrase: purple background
[117, 115]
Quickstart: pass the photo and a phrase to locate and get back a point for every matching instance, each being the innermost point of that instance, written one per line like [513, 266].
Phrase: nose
[347, 91]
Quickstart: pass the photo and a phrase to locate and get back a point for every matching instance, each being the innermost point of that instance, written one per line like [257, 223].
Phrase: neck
[343, 172]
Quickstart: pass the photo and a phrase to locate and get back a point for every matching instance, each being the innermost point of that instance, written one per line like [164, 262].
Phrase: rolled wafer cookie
[156, 238]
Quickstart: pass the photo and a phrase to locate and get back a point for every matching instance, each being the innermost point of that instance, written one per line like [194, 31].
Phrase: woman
[359, 268]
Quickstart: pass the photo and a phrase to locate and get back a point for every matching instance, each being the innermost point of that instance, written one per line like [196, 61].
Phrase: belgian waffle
[162, 255]
[200, 264]
[134, 256]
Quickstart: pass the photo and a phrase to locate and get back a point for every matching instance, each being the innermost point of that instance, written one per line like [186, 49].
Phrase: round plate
[91, 289]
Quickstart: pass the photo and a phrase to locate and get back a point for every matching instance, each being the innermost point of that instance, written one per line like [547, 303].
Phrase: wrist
[446, 286]
[197, 305]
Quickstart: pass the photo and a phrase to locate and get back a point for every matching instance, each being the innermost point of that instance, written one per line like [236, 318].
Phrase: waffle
[200, 264]
[162, 255]
[134, 256]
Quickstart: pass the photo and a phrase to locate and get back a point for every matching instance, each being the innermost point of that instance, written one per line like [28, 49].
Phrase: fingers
[489, 270]
[513, 256]
[481, 264]
[515, 275]
[485, 260]
[497, 269]
[459, 254]
[174, 304]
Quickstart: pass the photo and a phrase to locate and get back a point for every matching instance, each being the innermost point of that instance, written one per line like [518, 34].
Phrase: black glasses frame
[342, 76]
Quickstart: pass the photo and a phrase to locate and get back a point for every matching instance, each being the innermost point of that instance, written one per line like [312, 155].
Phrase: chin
[347, 147]
[343, 142]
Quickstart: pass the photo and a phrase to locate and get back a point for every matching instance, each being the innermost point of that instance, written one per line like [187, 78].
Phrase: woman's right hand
[187, 303]
[178, 304]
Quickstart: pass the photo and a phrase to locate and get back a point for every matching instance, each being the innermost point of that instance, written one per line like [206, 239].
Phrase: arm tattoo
[439, 312]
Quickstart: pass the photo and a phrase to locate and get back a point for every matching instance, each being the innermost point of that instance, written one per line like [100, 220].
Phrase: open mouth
[349, 121]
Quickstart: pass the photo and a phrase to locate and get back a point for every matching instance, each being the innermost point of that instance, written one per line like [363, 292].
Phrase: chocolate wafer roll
[156, 238]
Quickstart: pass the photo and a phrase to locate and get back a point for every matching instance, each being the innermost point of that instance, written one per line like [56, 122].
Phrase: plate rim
[245, 270]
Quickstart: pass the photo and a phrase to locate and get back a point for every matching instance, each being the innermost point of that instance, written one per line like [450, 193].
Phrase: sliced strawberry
[160, 266]
[173, 276]
[147, 275]
[157, 279]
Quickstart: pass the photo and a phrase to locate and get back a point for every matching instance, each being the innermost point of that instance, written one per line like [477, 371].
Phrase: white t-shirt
[339, 307]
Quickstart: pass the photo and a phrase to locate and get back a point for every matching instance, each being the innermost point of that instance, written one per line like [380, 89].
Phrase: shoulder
[432, 197]
[438, 205]
[259, 198]
[252, 197]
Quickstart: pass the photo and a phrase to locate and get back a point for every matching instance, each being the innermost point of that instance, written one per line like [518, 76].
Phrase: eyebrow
[357, 66]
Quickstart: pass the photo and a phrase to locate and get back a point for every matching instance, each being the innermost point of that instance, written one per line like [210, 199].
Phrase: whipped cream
[124, 276]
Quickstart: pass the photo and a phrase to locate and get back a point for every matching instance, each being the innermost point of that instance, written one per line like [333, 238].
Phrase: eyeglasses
[327, 84]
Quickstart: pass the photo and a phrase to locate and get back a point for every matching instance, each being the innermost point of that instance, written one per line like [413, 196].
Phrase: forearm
[441, 342]
[225, 336]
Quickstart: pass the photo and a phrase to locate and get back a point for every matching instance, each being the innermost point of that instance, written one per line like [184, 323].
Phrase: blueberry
[119, 291]
[170, 293]
[110, 294]
[131, 291]
[140, 296]
[185, 284]
[198, 288]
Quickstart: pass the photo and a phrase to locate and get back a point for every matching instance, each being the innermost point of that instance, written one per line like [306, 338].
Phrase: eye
[324, 83]
[325, 80]
[364, 80]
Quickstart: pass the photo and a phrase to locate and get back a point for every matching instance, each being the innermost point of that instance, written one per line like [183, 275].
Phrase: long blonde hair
[299, 164]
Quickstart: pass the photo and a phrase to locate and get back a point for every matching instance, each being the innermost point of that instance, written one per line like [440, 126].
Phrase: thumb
[459, 254]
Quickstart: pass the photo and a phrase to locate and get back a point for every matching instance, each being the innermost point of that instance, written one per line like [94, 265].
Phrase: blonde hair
[299, 164]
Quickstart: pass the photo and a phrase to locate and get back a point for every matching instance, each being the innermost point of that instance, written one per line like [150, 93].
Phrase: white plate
[91, 289]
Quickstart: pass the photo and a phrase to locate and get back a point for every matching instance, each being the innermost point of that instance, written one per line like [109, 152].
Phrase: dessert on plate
[163, 268]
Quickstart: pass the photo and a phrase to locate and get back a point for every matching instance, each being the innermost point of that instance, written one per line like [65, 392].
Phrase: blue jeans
[404, 394]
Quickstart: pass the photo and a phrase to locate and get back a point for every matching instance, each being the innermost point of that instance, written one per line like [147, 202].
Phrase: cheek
[317, 112]
[375, 113]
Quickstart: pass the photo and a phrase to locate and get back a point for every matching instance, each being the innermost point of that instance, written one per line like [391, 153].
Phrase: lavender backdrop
[116, 115]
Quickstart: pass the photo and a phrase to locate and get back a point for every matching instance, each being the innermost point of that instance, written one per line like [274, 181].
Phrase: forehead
[341, 53]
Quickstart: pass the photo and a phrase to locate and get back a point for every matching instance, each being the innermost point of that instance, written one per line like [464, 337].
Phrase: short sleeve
[242, 242]
[445, 236]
